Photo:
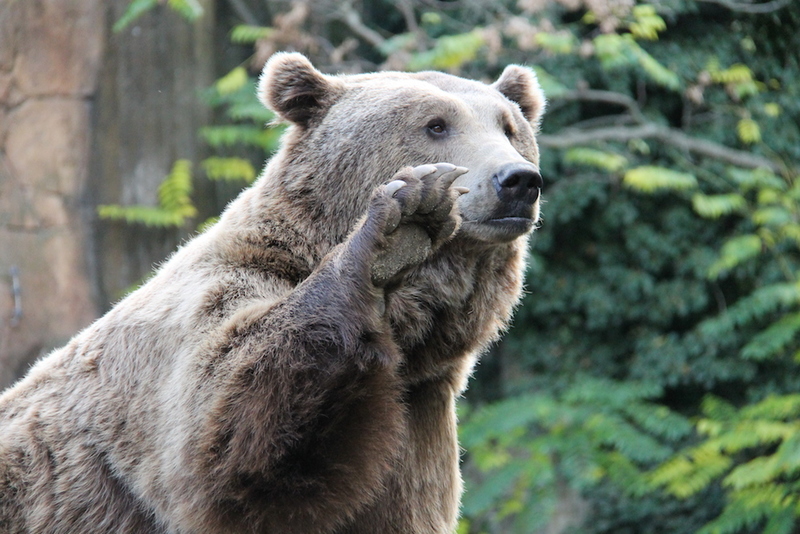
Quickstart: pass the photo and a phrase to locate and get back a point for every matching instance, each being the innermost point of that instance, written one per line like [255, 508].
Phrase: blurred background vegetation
[650, 381]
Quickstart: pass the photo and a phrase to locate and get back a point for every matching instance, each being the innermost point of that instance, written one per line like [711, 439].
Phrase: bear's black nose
[518, 182]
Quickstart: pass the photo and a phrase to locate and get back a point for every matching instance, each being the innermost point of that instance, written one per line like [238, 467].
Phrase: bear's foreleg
[307, 418]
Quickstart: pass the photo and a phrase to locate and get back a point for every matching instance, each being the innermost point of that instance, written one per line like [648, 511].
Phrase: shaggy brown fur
[295, 368]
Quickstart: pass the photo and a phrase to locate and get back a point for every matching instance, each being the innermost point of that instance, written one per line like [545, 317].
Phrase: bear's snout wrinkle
[518, 182]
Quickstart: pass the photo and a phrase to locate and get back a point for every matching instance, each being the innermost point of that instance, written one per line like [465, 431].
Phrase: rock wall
[50, 51]
[86, 117]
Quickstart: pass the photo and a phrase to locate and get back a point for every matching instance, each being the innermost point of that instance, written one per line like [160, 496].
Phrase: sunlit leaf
[649, 179]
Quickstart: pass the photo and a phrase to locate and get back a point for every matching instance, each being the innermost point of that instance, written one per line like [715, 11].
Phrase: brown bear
[295, 368]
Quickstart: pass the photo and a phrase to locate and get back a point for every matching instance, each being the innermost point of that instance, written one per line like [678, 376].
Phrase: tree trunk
[148, 110]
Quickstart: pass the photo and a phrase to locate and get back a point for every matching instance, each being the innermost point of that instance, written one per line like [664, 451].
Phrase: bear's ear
[291, 87]
[520, 85]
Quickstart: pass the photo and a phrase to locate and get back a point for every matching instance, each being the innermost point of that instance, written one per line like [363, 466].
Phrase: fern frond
[245, 34]
[774, 407]
[771, 216]
[174, 193]
[759, 303]
[252, 111]
[735, 251]
[237, 134]
[500, 418]
[615, 395]
[608, 161]
[231, 82]
[715, 206]
[658, 420]
[691, 472]
[146, 215]
[718, 409]
[495, 486]
[229, 169]
[175, 204]
[788, 455]
[755, 472]
[135, 9]
[191, 10]
[622, 471]
[676, 468]
[636, 445]
[748, 434]
[774, 340]
[649, 179]
[747, 508]
[734, 519]
[781, 522]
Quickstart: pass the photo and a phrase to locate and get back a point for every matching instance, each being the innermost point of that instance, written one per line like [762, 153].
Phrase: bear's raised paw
[416, 213]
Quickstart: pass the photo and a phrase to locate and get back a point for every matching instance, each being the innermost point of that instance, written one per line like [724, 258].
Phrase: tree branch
[676, 138]
[741, 7]
[608, 97]
[350, 16]
[439, 4]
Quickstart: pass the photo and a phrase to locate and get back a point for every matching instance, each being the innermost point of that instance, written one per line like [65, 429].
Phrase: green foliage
[450, 52]
[229, 169]
[549, 84]
[736, 251]
[647, 23]
[683, 279]
[557, 43]
[592, 430]
[190, 10]
[174, 208]
[738, 80]
[620, 51]
[135, 9]
[749, 131]
[600, 159]
[663, 308]
[773, 340]
[756, 451]
[649, 179]
[231, 82]
[245, 34]
[715, 206]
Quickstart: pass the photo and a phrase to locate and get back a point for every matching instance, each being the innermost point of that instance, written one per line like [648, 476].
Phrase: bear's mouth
[499, 229]
[515, 226]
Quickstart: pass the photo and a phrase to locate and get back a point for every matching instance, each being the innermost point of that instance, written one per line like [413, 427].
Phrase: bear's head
[351, 133]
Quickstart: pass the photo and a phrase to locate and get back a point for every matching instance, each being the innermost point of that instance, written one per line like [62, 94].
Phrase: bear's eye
[436, 128]
[508, 130]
